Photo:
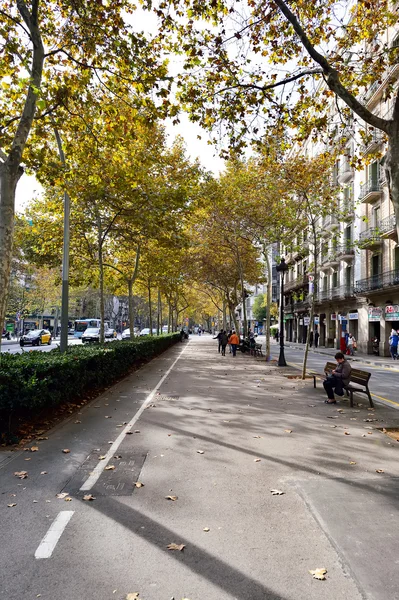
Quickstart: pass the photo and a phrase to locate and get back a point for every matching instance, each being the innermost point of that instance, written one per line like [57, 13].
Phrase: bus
[82, 324]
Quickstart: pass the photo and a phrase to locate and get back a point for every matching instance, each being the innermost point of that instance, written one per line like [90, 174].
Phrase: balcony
[332, 259]
[377, 138]
[388, 228]
[370, 191]
[324, 295]
[341, 292]
[346, 252]
[345, 172]
[296, 283]
[288, 308]
[302, 305]
[377, 282]
[330, 223]
[370, 239]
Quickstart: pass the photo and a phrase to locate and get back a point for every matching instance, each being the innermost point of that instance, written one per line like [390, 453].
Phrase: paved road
[14, 348]
[218, 433]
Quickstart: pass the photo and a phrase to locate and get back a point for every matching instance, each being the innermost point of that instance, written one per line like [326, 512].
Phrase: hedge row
[32, 381]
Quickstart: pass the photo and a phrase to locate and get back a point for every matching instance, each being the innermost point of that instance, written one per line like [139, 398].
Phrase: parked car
[91, 335]
[71, 331]
[146, 331]
[164, 329]
[110, 333]
[126, 334]
[36, 337]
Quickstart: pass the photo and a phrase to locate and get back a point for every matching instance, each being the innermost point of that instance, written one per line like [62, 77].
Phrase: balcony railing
[370, 190]
[330, 221]
[345, 171]
[377, 282]
[377, 137]
[345, 250]
[339, 292]
[370, 237]
[296, 283]
[388, 225]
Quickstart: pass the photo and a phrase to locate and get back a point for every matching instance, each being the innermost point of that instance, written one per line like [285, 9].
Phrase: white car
[126, 334]
[146, 331]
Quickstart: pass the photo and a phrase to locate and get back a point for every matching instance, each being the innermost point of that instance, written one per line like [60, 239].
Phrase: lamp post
[282, 268]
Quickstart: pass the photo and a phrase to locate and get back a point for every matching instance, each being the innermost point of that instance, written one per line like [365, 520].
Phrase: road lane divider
[50, 540]
[96, 473]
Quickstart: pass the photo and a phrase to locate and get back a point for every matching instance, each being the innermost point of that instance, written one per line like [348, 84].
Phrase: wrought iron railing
[370, 236]
[388, 224]
[372, 185]
[377, 282]
[345, 249]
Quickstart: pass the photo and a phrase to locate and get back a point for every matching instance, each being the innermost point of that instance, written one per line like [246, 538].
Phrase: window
[375, 265]
[335, 279]
[376, 216]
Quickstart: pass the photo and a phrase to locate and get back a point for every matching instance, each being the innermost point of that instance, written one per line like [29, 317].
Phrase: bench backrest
[330, 366]
[360, 377]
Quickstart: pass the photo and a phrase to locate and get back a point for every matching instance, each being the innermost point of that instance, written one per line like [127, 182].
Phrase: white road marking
[95, 474]
[49, 542]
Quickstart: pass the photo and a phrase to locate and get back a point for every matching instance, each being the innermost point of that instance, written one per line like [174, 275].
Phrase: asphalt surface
[219, 433]
[13, 347]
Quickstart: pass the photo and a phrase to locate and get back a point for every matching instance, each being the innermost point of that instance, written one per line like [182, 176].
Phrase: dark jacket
[223, 339]
[343, 371]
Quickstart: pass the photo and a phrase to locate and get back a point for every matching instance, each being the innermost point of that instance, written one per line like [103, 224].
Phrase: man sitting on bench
[337, 379]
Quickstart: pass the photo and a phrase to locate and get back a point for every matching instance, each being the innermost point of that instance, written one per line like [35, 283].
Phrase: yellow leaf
[319, 573]
[138, 484]
[171, 498]
[174, 546]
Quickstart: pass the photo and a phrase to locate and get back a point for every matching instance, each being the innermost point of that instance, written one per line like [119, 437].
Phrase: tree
[263, 67]
[54, 54]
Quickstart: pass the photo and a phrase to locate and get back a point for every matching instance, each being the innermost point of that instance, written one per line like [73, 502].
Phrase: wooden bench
[359, 382]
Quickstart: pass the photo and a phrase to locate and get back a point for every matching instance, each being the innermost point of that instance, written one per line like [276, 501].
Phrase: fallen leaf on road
[34, 449]
[133, 596]
[109, 468]
[277, 492]
[12, 505]
[27, 459]
[206, 529]
[173, 546]
[288, 430]
[42, 438]
[256, 437]
[318, 573]
[43, 472]
[66, 451]
[340, 410]
[200, 452]
[76, 422]
[346, 433]
[137, 431]
[108, 417]
[138, 484]
[257, 460]
[379, 471]
[68, 499]
[118, 456]
[364, 435]
[171, 498]
[88, 497]
[333, 426]
[21, 474]
[129, 432]
[352, 462]
[62, 495]
[334, 417]
[102, 457]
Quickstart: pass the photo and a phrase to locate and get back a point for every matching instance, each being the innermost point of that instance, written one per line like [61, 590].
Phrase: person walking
[337, 379]
[223, 342]
[217, 337]
[252, 342]
[351, 344]
[393, 344]
[316, 338]
[228, 340]
[235, 342]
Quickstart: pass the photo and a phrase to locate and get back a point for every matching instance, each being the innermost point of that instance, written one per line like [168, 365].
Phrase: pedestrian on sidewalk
[218, 339]
[351, 344]
[234, 341]
[337, 379]
[311, 339]
[228, 340]
[223, 342]
[393, 344]
[252, 342]
[316, 338]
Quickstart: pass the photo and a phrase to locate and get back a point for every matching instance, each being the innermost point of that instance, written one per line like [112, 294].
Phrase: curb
[351, 358]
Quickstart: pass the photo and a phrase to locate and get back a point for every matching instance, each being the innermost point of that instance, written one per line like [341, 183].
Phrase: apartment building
[357, 287]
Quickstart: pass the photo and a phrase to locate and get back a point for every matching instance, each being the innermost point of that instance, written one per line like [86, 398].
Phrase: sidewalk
[368, 359]
[218, 435]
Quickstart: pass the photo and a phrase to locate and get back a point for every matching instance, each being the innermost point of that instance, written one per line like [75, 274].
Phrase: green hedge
[32, 381]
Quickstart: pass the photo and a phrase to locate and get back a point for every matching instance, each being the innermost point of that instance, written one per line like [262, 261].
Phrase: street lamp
[282, 268]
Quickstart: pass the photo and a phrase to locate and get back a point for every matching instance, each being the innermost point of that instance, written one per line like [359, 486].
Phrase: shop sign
[375, 313]
[353, 316]
[306, 321]
[392, 312]
[342, 318]
[288, 316]
[333, 317]
[316, 320]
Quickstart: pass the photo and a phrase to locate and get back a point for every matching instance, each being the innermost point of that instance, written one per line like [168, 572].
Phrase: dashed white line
[49, 542]
[95, 474]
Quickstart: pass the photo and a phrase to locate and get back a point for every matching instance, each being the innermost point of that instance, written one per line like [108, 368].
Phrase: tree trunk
[150, 306]
[131, 315]
[314, 298]
[8, 184]
[224, 315]
[102, 305]
[268, 302]
[392, 173]
[169, 315]
[158, 311]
